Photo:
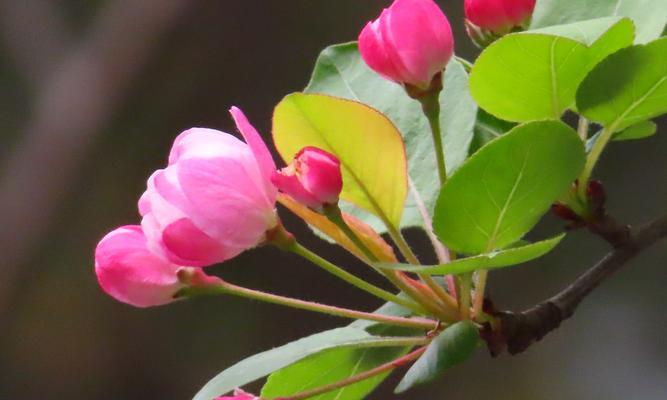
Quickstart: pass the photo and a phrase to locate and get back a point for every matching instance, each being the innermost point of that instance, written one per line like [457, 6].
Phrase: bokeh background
[91, 95]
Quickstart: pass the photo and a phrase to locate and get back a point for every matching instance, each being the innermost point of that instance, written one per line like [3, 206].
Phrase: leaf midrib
[501, 215]
[636, 103]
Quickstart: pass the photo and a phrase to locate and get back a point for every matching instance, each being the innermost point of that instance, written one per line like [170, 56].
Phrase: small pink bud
[130, 273]
[497, 17]
[239, 395]
[410, 43]
[214, 200]
[313, 178]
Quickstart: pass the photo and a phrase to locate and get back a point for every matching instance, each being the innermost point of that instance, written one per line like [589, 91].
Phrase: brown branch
[516, 331]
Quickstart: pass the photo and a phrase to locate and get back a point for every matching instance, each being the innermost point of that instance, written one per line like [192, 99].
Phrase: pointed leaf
[341, 72]
[501, 192]
[262, 364]
[339, 363]
[451, 347]
[499, 259]
[368, 145]
[628, 87]
[328, 367]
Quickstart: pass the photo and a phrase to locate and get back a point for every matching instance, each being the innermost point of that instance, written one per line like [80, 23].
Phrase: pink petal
[374, 52]
[258, 147]
[188, 245]
[290, 184]
[229, 207]
[204, 143]
[130, 273]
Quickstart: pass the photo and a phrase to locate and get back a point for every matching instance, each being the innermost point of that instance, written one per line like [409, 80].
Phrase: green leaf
[262, 364]
[453, 346]
[350, 361]
[501, 192]
[639, 130]
[628, 87]
[487, 128]
[497, 259]
[649, 16]
[341, 72]
[328, 367]
[534, 75]
[525, 77]
[368, 145]
[603, 36]
[587, 32]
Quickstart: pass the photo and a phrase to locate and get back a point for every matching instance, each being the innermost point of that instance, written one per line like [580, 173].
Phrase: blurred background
[92, 94]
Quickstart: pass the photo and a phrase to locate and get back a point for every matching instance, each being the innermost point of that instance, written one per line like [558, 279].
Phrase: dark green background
[62, 338]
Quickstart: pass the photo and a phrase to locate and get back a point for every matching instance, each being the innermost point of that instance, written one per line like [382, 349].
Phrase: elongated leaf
[453, 346]
[649, 16]
[501, 192]
[628, 87]
[366, 234]
[262, 364]
[335, 364]
[341, 72]
[328, 367]
[368, 145]
[497, 259]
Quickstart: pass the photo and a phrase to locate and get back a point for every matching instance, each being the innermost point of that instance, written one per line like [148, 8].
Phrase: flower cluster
[214, 200]
[217, 195]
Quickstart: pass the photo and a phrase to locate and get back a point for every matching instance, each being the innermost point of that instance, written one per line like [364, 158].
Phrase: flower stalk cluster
[216, 198]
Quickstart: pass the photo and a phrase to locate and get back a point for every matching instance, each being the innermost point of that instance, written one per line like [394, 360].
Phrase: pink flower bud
[498, 16]
[130, 273]
[409, 43]
[214, 200]
[312, 179]
[239, 395]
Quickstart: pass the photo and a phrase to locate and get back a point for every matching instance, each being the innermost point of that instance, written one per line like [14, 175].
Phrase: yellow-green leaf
[369, 147]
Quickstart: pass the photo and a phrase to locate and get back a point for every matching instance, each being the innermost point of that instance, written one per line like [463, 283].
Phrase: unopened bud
[487, 20]
[313, 178]
[409, 43]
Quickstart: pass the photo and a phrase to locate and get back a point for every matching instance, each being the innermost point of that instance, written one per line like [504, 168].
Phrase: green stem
[402, 244]
[480, 287]
[465, 284]
[296, 248]
[222, 287]
[431, 108]
[335, 215]
[591, 161]
[391, 365]
[444, 298]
